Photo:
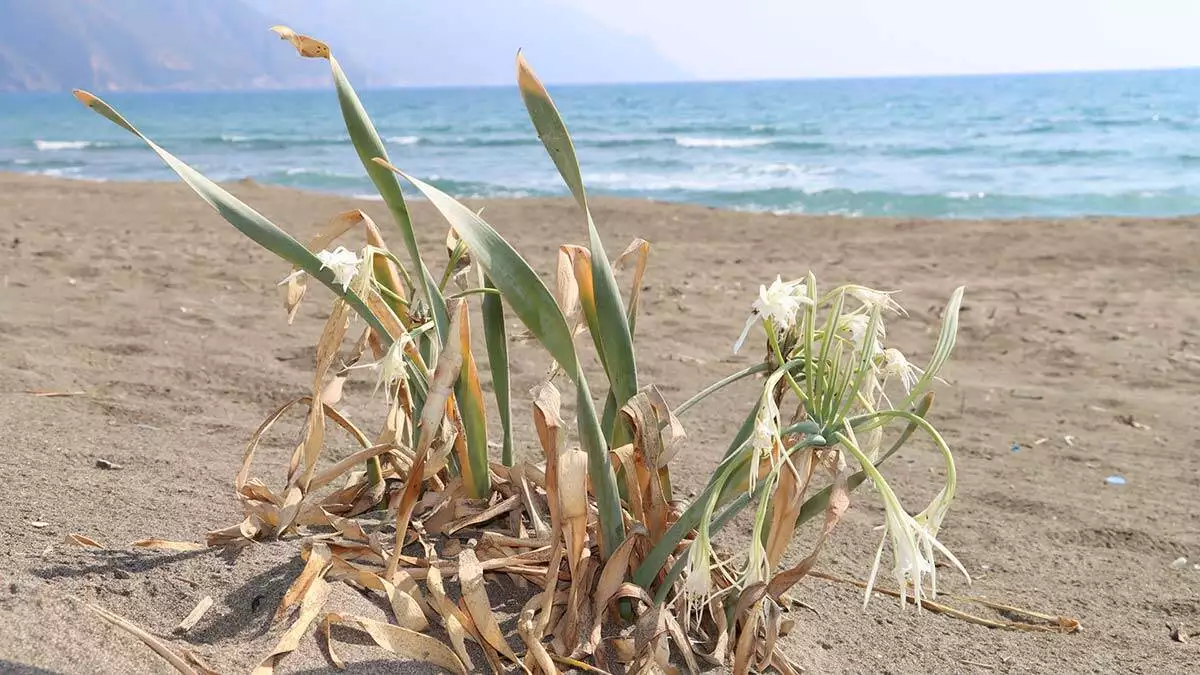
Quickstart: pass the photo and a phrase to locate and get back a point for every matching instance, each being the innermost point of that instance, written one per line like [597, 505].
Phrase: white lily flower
[765, 433]
[856, 325]
[780, 303]
[763, 438]
[913, 542]
[756, 564]
[343, 263]
[392, 368]
[697, 578]
[871, 298]
[896, 365]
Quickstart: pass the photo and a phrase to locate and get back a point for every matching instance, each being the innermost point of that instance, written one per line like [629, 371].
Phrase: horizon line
[619, 83]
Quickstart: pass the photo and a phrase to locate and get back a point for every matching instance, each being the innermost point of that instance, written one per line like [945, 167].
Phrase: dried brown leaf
[839, 501]
[612, 576]
[743, 654]
[639, 251]
[346, 464]
[786, 502]
[451, 617]
[314, 568]
[491, 513]
[529, 629]
[334, 658]
[532, 508]
[314, 600]
[474, 595]
[573, 502]
[405, 643]
[306, 46]
[681, 642]
[81, 540]
[243, 475]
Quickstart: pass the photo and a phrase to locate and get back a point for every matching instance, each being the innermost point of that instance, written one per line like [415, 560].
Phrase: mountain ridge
[181, 45]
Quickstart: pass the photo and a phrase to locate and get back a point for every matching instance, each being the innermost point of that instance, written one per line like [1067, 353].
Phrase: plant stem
[721, 384]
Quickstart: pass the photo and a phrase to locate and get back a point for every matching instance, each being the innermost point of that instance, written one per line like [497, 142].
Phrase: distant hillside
[471, 42]
[134, 45]
[118, 45]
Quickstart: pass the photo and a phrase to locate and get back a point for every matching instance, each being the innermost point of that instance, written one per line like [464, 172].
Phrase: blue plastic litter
[1016, 447]
[1115, 480]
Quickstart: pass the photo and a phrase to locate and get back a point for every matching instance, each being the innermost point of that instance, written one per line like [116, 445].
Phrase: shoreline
[613, 201]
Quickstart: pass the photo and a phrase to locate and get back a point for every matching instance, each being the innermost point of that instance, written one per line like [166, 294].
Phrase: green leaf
[248, 221]
[942, 350]
[369, 146]
[534, 305]
[611, 323]
[495, 337]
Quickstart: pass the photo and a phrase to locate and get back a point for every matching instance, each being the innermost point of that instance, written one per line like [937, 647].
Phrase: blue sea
[986, 146]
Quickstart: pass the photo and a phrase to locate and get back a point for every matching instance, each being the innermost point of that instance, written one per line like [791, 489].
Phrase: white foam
[690, 142]
[50, 146]
[69, 172]
[404, 140]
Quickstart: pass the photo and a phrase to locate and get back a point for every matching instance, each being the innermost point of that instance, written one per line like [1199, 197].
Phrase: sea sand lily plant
[622, 569]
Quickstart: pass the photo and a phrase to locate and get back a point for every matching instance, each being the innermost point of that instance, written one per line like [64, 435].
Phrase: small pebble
[39, 524]
[107, 465]
[120, 574]
[1115, 480]
[1179, 564]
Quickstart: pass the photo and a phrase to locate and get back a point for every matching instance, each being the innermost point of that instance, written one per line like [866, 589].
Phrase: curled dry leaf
[639, 251]
[839, 501]
[474, 595]
[451, 617]
[81, 540]
[612, 576]
[402, 642]
[491, 513]
[166, 545]
[306, 46]
[318, 561]
[530, 631]
[314, 600]
[336, 660]
[785, 506]
[572, 502]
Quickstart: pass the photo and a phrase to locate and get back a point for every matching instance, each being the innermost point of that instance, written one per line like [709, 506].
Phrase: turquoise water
[1051, 145]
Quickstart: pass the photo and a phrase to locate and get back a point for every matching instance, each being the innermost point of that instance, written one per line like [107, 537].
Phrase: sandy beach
[1078, 360]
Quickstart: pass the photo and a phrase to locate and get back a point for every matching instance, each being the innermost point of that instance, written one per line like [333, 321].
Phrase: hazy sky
[747, 39]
